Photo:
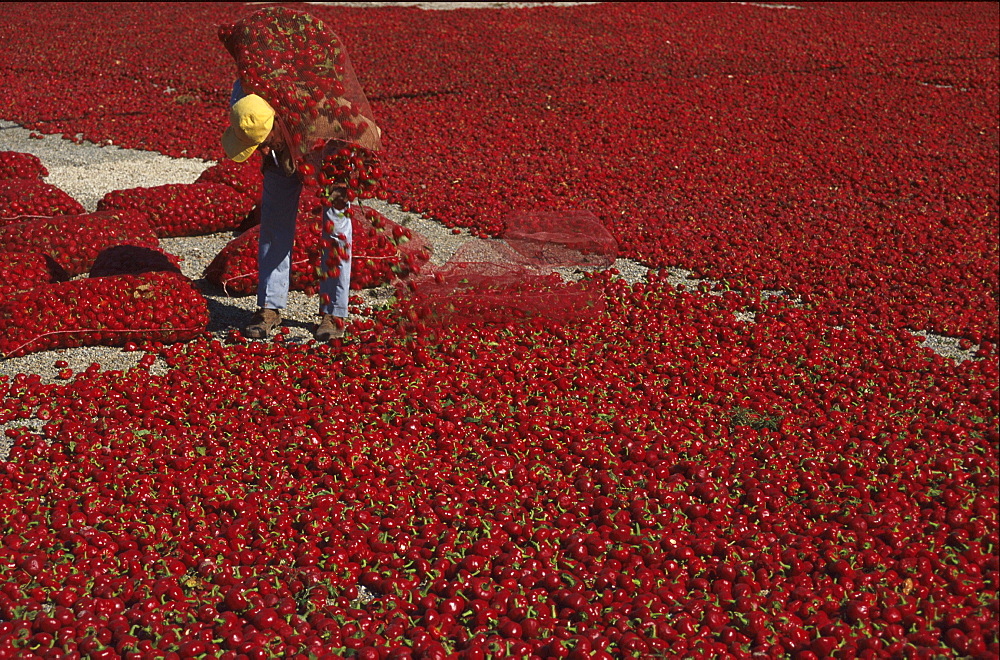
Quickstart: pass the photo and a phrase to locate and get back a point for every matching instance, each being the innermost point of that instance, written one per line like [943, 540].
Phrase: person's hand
[338, 198]
[273, 140]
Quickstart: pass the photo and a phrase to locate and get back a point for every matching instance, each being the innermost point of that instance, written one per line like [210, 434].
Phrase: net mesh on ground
[515, 278]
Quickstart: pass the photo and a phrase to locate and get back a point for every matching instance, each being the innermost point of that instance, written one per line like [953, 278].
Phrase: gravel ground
[87, 171]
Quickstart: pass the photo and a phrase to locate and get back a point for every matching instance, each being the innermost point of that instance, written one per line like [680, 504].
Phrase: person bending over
[251, 128]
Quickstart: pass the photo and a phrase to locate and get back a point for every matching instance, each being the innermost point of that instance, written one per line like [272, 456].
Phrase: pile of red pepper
[111, 311]
[179, 209]
[31, 197]
[74, 241]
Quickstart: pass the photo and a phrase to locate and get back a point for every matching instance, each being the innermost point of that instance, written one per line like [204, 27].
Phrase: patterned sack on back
[300, 67]
[322, 118]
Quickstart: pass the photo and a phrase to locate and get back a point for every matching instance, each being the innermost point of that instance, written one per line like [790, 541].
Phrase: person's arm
[237, 93]
[370, 137]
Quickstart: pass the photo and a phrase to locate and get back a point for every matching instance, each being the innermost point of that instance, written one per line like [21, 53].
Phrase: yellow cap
[251, 120]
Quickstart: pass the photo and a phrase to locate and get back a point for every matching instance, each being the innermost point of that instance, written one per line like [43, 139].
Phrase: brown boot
[263, 322]
[330, 327]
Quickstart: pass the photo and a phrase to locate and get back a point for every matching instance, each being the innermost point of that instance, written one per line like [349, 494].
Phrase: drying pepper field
[709, 471]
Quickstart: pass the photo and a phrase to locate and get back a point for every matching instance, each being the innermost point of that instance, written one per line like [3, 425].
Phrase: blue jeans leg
[338, 288]
[279, 205]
